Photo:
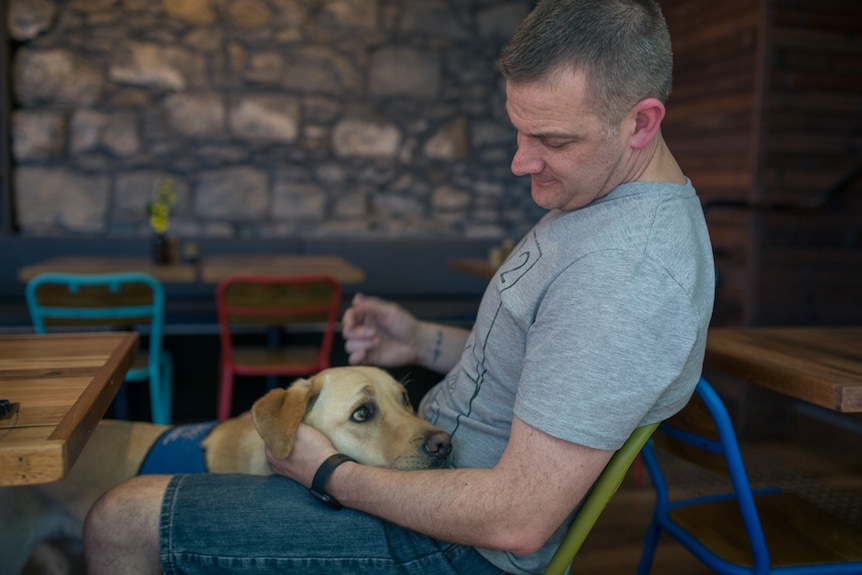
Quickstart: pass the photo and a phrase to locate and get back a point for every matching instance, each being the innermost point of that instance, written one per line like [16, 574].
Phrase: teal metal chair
[603, 490]
[737, 530]
[130, 300]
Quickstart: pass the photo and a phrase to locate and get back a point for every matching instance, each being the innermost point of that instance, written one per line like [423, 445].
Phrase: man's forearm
[439, 347]
[477, 516]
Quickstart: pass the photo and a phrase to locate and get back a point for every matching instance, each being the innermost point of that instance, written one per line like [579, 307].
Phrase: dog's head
[363, 411]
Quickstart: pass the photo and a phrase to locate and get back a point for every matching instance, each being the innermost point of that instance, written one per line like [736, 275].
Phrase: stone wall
[274, 118]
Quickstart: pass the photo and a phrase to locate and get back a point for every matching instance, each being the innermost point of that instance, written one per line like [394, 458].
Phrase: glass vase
[163, 249]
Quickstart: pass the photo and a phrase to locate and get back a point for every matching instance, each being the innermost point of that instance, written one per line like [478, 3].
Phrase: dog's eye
[406, 399]
[363, 414]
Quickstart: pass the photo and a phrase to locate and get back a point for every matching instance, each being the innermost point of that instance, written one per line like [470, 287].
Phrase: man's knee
[124, 502]
[125, 522]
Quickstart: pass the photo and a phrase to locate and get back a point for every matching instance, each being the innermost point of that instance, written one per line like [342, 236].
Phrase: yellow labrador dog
[362, 410]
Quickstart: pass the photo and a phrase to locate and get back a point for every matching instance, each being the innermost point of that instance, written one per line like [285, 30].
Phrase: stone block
[53, 201]
[116, 133]
[360, 138]
[157, 67]
[29, 18]
[196, 115]
[38, 135]
[58, 76]
[305, 202]
[232, 194]
[194, 11]
[265, 117]
[396, 70]
[450, 143]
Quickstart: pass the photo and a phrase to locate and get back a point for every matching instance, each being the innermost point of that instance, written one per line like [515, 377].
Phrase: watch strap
[318, 484]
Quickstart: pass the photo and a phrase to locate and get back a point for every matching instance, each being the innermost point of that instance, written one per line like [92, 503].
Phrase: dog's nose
[438, 444]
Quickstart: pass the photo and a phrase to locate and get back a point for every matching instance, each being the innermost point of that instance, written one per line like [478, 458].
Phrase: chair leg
[650, 544]
[168, 388]
[121, 402]
[271, 382]
[273, 341]
[161, 391]
[225, 396]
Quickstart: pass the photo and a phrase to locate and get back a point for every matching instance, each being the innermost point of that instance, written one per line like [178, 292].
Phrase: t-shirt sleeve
[607, 350]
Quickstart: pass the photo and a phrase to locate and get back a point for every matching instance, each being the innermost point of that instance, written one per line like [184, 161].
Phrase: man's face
[561, 144]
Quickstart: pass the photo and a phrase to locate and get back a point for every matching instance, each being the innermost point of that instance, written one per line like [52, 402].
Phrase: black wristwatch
[318, 484]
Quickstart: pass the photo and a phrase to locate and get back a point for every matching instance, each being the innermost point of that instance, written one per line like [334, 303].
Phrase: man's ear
[647, 115]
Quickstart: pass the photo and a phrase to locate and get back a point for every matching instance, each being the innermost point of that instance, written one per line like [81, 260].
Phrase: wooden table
[820, 365]
[64, 384]
[209, 269]
[179, 273]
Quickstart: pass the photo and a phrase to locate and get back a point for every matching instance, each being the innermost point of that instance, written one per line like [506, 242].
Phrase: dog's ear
[277, 415]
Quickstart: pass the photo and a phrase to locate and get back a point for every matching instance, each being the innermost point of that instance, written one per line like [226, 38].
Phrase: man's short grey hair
[622, 46]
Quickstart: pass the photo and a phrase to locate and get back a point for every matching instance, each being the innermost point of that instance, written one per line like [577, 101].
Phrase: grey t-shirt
[594, 325]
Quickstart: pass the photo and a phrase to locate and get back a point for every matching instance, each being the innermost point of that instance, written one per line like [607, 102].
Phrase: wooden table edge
[837, 398]
[82, 418]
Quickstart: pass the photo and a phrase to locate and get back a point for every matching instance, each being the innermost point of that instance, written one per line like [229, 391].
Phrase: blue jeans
[254, 525]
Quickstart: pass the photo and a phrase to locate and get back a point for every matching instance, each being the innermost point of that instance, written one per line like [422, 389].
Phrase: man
[596, 324]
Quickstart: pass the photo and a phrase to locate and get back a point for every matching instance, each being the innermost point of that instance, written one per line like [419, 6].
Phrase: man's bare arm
[516, 506]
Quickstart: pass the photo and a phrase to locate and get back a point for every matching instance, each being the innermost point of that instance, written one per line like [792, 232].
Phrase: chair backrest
[100, 301]
[259, 300]
[604, 488]
[702, 434]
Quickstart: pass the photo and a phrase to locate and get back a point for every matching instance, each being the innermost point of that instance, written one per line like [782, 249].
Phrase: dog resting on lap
[363, 411]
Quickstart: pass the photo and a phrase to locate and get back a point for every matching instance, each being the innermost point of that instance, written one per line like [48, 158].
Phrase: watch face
[326, 498]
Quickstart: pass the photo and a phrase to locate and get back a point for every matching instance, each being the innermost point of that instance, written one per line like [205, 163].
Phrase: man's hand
[377, 332]
[309, 451]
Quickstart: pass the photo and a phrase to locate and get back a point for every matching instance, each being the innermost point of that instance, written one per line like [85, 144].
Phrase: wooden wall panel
[811, 260]
[710, 127]
[709, 121]
[767, 110]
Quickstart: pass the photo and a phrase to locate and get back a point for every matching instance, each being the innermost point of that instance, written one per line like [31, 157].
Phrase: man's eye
[363, 414]
[557, 144]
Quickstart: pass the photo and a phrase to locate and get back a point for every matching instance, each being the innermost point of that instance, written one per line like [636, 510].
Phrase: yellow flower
[159, 210]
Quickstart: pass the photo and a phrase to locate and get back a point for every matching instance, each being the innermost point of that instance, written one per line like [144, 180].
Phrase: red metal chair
[260, 315]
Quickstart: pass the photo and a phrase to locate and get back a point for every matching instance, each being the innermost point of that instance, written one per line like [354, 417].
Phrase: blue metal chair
[736, 529]
[60, 301]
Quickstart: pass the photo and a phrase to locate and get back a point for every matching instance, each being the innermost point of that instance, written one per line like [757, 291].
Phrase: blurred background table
[473, 266]
[64, 384]
[208, 269]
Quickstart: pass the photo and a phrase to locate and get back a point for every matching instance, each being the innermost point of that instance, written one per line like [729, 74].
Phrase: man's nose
[526, 160]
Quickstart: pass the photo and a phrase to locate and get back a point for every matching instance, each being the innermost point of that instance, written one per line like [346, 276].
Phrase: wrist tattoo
[437, 344]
